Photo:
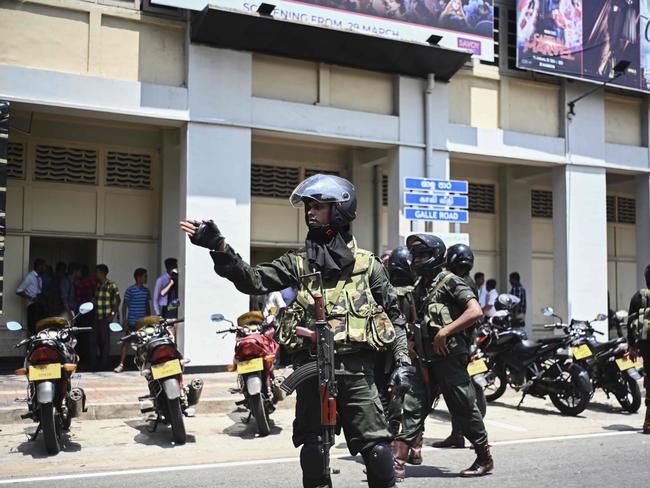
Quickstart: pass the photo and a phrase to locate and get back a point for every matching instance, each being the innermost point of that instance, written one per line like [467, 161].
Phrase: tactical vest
[642, 323]
[354, 316]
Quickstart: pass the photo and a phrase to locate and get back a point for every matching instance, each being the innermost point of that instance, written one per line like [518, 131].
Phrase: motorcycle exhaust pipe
[76, 402]
[194, 391]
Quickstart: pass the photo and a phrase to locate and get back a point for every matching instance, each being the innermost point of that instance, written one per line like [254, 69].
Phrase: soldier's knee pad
[379, 466]
[311, 462]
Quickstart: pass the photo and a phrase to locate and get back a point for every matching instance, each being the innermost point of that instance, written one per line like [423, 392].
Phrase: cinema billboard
[586, 39]
[461, 24]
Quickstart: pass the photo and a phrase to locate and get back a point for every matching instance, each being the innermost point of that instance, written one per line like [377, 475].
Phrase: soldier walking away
[446, 307]
[359, 300]
[460, 261]
[638, 336]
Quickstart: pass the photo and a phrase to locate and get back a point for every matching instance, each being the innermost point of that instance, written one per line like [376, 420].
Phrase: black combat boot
[483, 463]
[415, 452]
[400, 451]
[455, 439]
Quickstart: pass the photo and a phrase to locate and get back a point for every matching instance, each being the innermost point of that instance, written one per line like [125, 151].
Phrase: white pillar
[642, 226]
[216, 175]
[170, 239]
[580, 254]
[516, 236]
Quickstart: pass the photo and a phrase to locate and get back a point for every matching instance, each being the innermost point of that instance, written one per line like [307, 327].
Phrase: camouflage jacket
[285, 272]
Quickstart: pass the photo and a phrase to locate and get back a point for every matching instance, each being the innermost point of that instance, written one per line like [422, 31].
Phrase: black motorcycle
[608, 363]
[50, 362]
[160, 362]
[538, 368]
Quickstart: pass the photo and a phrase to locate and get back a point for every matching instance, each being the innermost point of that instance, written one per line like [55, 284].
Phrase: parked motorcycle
[542, 368]
[50, 362]
[255, 351]
[160, 362]
[608, 363]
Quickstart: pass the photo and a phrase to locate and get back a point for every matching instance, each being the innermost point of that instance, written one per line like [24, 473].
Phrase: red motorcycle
[255, 352]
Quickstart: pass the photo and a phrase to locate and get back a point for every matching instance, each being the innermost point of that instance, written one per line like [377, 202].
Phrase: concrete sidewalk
[111, 395]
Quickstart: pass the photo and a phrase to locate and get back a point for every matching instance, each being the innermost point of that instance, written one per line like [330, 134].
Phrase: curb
[102, 411]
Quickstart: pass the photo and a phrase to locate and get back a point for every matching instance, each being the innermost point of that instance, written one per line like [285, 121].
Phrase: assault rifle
[323, 337]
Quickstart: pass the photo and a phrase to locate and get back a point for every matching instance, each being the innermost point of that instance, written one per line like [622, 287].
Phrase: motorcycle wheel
[573, 402]
[497, 387]
[51, 429]
[256, 404]
[631, 400]
[176, 421]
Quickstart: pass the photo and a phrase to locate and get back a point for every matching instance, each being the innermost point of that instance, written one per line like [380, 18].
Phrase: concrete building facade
[121, 126]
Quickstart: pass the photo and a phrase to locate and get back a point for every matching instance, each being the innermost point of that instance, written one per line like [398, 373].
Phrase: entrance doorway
[62, 249]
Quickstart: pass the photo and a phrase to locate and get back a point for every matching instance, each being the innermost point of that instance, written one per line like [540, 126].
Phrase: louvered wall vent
[611, 208]
[626, 210]
[65, 165]
[541, 204]
[16, 160]
[128, 170]
[384, 190]
[481, 198]
[273, 181]
[312, 172]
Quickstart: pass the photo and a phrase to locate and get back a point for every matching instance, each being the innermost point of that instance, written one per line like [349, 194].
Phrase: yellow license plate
[624, 364]
[163, 370]
[45, 372]
[477, 367]
[250, 366]
[581, 352]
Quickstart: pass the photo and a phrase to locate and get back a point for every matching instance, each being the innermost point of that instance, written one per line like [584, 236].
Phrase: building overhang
[252, 32]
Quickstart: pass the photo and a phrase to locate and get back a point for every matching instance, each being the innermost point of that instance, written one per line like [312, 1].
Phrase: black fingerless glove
[401, 380]
[207, 235]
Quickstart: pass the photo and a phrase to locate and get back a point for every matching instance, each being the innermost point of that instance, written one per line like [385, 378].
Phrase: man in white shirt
[491, 297]
[479, 279]
[30, 289]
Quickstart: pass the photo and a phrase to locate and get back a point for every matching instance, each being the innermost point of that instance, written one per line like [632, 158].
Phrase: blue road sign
[436, 199]
[454, 186]
[437, 215]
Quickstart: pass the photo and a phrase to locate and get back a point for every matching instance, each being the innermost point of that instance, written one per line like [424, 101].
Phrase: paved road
[601, 442]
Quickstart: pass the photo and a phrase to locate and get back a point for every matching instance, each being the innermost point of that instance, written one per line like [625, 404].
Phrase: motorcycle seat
[529, 346]
[552, 340]
[604, 346]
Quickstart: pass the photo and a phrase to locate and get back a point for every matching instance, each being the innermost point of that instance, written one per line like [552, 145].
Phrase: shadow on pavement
[162, 437]
[246, 430]
[524, 408]
[620, 428]
[422, 471]
[36, 449]
[606, 408]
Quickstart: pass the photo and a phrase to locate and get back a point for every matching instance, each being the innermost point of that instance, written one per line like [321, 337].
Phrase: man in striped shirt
[136, 305]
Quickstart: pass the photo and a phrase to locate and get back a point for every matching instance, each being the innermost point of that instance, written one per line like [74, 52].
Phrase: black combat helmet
[460, 259]
[399, 267]
[337, 191]
[426, 243]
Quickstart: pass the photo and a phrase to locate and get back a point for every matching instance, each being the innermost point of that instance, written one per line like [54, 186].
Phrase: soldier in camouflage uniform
[460, 261]
[446, 307]
[362, 310]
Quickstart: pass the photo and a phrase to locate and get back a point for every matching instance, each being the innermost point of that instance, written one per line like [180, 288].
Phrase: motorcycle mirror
[548, 311]
[85, 308]
[115, 327]
[600, 317]
[217, 317]
[621, 314]
[14, 326]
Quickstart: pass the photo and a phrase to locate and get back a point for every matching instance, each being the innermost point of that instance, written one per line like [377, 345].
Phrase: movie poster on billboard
[463, 24]
[644, 35]
[550, 35]
[611, 34]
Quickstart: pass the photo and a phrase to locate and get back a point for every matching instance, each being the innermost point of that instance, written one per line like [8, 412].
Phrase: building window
[16, 160]
[541, 204]
[512, 40]
[482, 198]
[384, 190]
[273, 181]
[128, 170]
[626, 210]
[65, 165]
